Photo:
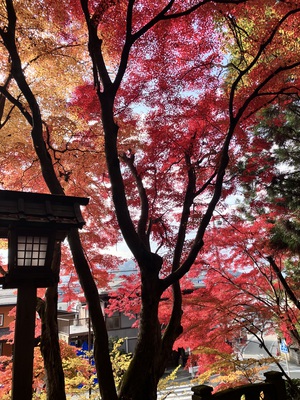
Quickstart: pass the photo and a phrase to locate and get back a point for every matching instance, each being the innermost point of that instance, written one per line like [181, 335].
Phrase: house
[8, 300]
[75, 326]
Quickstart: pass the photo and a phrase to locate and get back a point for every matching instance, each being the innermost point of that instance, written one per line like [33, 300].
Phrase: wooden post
[24, 344]
[275, 378]
[202, 392]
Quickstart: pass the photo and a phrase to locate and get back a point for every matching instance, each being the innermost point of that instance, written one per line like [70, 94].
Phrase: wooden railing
[272, 389]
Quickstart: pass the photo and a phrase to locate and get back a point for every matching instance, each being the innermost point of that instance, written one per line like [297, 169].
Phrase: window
[32, 251]
[113, 322]
[1, 319]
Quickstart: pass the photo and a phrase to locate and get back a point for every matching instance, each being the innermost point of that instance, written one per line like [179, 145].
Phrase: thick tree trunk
[55, 385]
[152, 350]
[101, 348]
[50, 350]
[141, 379]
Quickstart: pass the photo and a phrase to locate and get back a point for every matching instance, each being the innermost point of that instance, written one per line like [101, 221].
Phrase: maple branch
[107, 98]
[174, 327]
[276, 291]
[198, 241]
[291, 295]
[94, 47]
[185, 214]
[8, 115]
[131, 38]
[268, 278]
[190, 194]
[255, 59]
[153, 21]
[236, 31]
[198, 5]
[256, 92]
[254, 329]
[142, 223]
[2, 100]
[281, 314]
[275, 95]
[32, 177]
[162, 15]
[2, 271]
[263, 300]
[206, 184]
[9, 41]
[53, 51]
[17, 104]
[133, 240]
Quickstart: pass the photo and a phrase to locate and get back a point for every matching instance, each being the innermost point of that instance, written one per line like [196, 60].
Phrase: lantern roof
[24, 209]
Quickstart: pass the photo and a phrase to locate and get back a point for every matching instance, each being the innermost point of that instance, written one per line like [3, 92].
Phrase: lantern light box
[34, 223]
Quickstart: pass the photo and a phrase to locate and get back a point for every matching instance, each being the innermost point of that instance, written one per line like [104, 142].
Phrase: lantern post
[34, 224]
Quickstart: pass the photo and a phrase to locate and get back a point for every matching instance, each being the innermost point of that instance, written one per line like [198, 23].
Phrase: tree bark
[50, 350]
[286, 286]
[101, 348]
[141, 379]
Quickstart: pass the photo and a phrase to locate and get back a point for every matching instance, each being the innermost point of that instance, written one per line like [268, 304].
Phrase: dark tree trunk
[153, 349]
[141, 379]
[101, 348]
[50, 350]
